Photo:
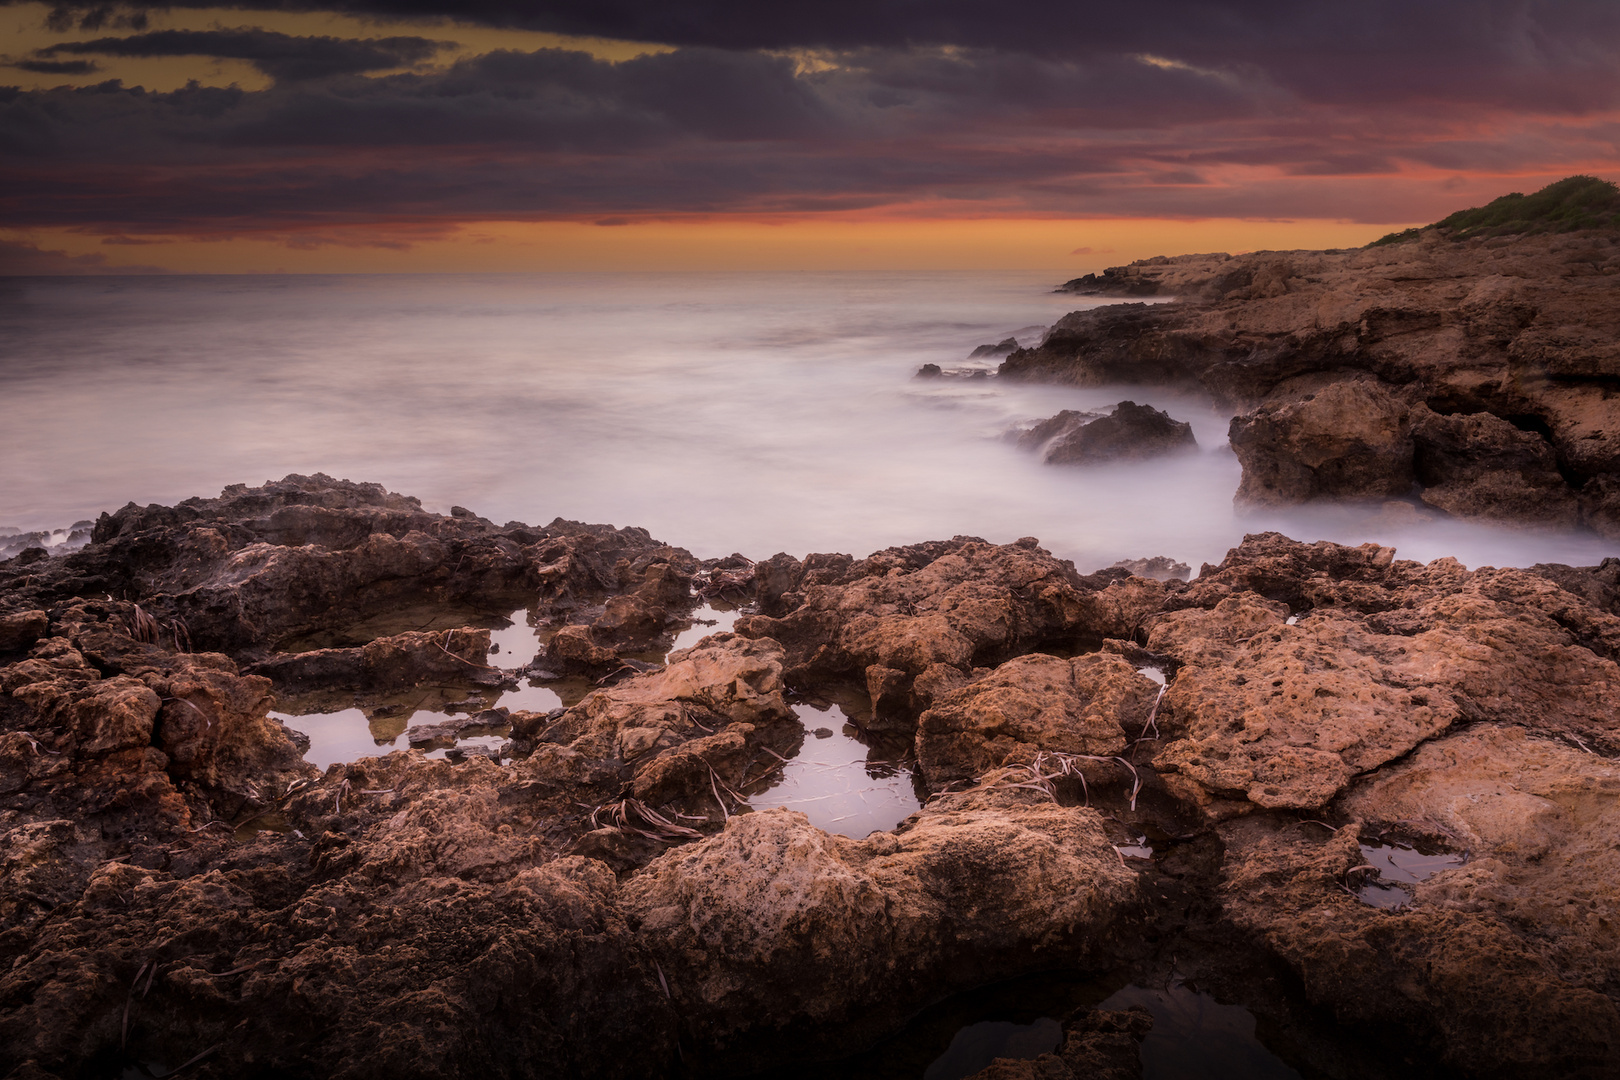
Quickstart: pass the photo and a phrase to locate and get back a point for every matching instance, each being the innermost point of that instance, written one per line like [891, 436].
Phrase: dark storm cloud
[56, 67]
[1026, 107]
[283, 57]
[1371, 50]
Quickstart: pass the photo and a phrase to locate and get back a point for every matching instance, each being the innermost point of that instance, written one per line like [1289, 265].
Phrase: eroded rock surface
[598, 900]
[1501, 344]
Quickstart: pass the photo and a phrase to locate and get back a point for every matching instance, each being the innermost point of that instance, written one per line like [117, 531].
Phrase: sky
[498, 135]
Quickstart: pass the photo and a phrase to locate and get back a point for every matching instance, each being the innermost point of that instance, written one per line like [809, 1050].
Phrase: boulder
[1129, 433]
[1350, 440]
[779, 939]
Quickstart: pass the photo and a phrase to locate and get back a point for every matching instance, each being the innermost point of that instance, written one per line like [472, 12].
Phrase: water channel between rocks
[837, 780]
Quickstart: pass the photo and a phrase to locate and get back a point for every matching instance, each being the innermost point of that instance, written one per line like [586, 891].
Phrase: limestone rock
[1090, 705]
[833, 938]
[1352, 440]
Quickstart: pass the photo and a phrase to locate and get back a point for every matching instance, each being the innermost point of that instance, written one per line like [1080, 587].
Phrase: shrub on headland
[1576, 202]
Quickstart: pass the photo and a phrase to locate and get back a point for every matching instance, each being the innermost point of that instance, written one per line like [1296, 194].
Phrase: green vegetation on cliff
[1576, 202]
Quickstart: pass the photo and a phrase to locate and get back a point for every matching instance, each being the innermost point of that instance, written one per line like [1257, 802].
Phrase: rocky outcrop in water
[1130, 432]
[1478, 373]
[597, 899]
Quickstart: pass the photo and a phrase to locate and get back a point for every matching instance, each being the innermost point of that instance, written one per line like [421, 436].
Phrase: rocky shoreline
[1479, 374]
[599, 898]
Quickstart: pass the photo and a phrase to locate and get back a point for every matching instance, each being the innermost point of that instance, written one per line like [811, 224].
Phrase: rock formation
[597, 899]
[1474, 368]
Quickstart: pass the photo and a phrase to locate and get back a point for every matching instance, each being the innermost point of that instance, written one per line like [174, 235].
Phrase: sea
[724, 412]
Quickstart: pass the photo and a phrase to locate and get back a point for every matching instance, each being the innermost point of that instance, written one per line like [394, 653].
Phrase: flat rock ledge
[178, 885]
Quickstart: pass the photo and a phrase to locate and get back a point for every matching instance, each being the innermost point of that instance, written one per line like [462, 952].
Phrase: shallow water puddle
[349, 735]
[1194, 1037]
[834, 782]
[974, 1047]
[515, 645]
[706, 620]
[1399, 863]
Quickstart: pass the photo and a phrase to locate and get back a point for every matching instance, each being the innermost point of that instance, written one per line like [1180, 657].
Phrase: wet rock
[1129, 433]
[1036, 439]
[837, 938]
[445, 733]
[1537, 818]
[930, 371]
[1158, 567]
[387, 663]
[1350, 440]
[1481, 466]
[1091, 705]
[573, 650]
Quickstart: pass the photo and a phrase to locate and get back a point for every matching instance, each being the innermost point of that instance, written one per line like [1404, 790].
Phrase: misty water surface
[739, 412]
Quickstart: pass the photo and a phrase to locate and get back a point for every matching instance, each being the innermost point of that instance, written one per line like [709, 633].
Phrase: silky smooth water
[723, 412]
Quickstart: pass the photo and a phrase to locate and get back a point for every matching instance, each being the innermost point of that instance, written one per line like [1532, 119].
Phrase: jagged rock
[1522, 329]
[837, 938]
[930, 371]
[1349, 440]
[387, 663]
[960, 604]
[1001, 348]
[1481, 466]
[1053, 427]
[1384, 658]
[20, 629]
[1466, 986]
[1129, 433]
[1090, 705]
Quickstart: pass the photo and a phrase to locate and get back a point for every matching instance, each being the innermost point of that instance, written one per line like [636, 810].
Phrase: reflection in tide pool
[974, 1047]
[833, 782]
[343, 736]
[1194, 1037]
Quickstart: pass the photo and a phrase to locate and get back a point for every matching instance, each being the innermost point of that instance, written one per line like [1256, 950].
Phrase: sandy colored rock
[1481, 466]
[1538, 819]
[1388, 655]
[1469, 989]
[1520, 328]
[776, 933]
[961, 604]
[1090, 705]
[1348, 440]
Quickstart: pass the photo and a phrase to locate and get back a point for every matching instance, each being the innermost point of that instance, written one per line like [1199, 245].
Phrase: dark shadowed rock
[930, 371]
[1482, 466]
[1129, 433]
[1001, 348]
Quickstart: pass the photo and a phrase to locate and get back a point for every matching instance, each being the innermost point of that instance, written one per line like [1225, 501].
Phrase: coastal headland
[1375, 802]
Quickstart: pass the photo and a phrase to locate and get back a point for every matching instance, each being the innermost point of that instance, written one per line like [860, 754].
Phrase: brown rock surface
[1463, 986]
[775, 935]
[1520, 328]
[1091, 705]
[1384, 658]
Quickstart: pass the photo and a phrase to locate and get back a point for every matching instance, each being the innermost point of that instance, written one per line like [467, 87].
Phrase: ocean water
[724, 412]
